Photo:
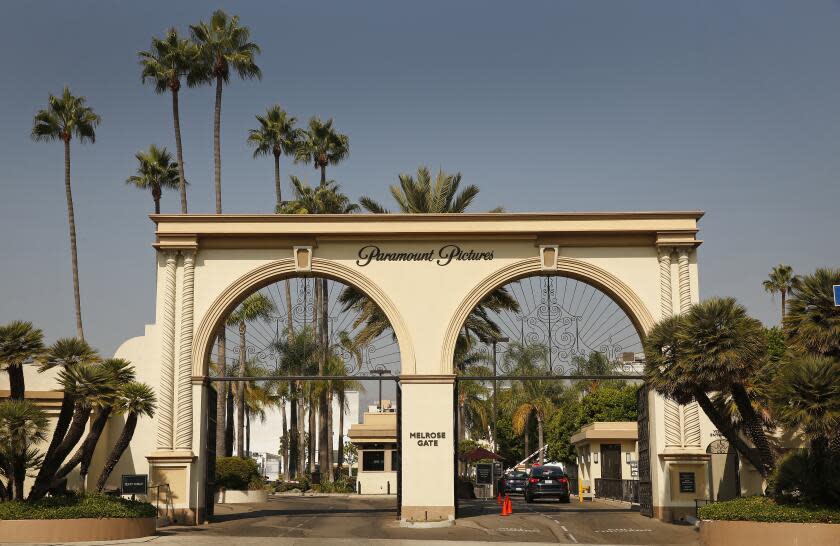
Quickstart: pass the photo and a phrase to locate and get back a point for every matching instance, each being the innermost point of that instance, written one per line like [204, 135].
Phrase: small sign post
[836, 289]
[134, 484]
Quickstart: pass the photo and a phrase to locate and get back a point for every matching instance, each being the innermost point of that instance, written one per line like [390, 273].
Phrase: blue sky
[728, 107]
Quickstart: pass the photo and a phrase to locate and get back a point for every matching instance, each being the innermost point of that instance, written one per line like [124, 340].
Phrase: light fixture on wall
[595, 457]
[627, 456]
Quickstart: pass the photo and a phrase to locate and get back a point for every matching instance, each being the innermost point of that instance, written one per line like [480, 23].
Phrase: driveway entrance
[354, 518]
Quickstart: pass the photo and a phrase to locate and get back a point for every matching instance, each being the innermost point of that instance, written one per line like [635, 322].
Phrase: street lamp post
[493, 341]
[380, 371]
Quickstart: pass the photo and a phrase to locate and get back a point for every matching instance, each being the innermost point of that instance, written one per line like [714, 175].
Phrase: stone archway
[284, 269]
[591, 274]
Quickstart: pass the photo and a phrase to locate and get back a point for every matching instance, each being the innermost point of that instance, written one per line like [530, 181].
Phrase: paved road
[372, 520]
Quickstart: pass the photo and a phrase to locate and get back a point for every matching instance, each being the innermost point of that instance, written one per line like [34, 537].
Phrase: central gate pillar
[428, 444]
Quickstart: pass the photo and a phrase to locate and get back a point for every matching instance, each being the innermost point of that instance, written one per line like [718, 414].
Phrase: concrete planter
[756, 533]
[74, 530]
[233, 496]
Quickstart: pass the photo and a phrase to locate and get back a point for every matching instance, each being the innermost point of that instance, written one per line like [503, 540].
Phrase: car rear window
[517, 475]
[547, 471]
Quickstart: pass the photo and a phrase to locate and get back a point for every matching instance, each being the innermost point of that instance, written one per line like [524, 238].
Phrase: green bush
[237, 473]
[803, 476]
[341, 485]
[74, 506]
[767, 510]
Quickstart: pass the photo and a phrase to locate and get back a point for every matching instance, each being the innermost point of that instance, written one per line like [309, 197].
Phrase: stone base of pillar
[423, 514]
[172, 487]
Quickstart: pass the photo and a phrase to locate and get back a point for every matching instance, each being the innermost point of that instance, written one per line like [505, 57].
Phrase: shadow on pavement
[255, 514]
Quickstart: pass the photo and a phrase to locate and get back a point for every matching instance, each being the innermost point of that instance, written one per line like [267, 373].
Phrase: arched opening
[548, 367]
[302, 366]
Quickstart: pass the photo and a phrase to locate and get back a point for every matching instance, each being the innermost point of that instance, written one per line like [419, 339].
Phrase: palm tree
[65, 117]
[90, 386]
[298, 356]
[119, 372]
[806, 396]
[276, 135]
[66, 353]
[531, 397]
[812, 324]
[135, 400]
[223, 46]
[418, 195]
[714, 347]
[256, 307]
[167, 61]
[322, 145]
[20, 343]
[22, 426]
[155, 172]
[781, 280]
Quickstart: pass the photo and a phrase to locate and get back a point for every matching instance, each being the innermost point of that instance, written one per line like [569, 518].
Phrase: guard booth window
[395, 461]
[373, 461]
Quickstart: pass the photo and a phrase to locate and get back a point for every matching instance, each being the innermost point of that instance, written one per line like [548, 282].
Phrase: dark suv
[547, 481]
[514, 482]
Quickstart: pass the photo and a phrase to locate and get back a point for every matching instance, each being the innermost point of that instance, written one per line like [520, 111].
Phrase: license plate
[519, 489]
[548, 481]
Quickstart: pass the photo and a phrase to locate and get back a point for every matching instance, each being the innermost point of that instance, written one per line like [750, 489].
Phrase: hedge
[73, 507]
[238, 473]
[767, 510]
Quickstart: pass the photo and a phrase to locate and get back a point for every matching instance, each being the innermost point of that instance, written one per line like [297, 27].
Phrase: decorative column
[184, 412]
[685, 280]
[665, 290]
[167, 354]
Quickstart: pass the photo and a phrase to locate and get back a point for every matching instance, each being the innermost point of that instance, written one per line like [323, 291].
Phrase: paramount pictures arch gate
[425, 272]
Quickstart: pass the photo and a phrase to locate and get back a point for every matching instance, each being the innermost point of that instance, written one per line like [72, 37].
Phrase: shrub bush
[807, 477]
[237, 473]
[76, 506]
[767, 510]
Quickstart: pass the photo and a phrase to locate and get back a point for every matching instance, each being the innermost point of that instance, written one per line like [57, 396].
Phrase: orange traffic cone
[506, 507]
[499, 499]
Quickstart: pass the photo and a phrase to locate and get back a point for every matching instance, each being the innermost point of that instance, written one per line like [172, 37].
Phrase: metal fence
[618, 489]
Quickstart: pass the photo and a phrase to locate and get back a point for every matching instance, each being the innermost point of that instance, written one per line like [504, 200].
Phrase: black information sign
[135, 484]
[687, 482]
[484, 473]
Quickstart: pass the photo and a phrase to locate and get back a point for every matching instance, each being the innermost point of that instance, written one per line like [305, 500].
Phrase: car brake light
[533, 480]
[564, 479]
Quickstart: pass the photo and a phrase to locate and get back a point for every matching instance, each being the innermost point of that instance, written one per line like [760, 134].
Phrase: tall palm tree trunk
[182, 181]
[277, 188]
[724, 426]
[17, 383]
[118, 450]
[540, 438]
[71, 220]
[340, 453]
[229, 418]
[217, 147]
[312, 433]
[289, 324]
[330, 434]
[285, 442]
[156, 195]
[65, 416]
[81, 414]
[84, 455]
[784, 309]
[301, 433]
[527, 438]
[247, 432]
[240, 395]
[323, 175]
[323, 404]
[221, 394]
[754, 428]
